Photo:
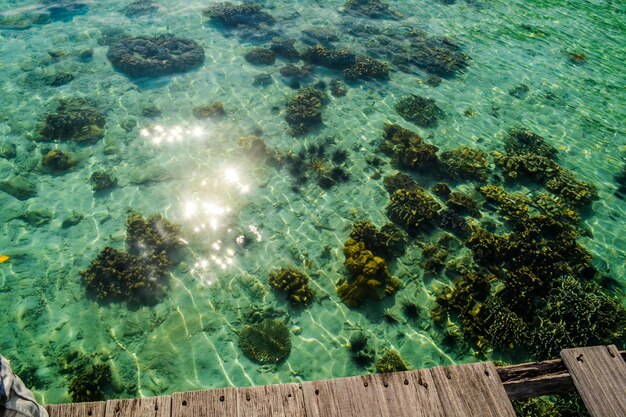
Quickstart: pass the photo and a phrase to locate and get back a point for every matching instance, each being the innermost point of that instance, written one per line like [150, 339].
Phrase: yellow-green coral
[294, 283]
[391, 361]
[370, 277]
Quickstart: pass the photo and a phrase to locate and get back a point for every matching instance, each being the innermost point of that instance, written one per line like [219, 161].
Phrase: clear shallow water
[174, 163]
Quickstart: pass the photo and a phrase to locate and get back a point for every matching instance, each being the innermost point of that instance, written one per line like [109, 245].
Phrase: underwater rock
[110, 35]
[391, 361]
[370, 279]
[374, 9]
[449, 219]
[330, 57]
[151, 112]
[36, 217]
[434, 81]
[85, 55]
[246, 14]
[519, 91]
[419, 110]
[89, 385]
[319, 35]
[139, 8]
[102, 180]
[285, 48]
[464, 163]
[57, 160]
[23, 21]
[412, 209]
[19, 187]
[8, 150]
[462, 204]
[146, 56]
[262, 80]
[266, 342]
[294, 283]
[409, 149]
[74, 119]
[214, 110]
[72, 220]
[338, 88]
[64, 10]
[365, 68]
[260, 56]
[304, 110]
[388, 242]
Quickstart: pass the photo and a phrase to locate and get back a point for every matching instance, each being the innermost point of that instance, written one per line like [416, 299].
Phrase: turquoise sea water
[554, 67]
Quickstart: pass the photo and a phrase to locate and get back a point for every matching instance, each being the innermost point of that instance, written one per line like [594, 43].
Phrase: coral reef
[437, 55]
[74, 119]
[464, 163]
[408, 148]
[513, 207]
[399, 181]
[285, 48]
[294, 283]
[304, 110]
[391, 361]
[422, 111]
[118, 276]
[330, 57]
[145, 56]
[295, 74]
[260, 56]
[374, 9]
[388, 242]
[246, 14]
[370, 277]
[523, 141]
[434, 257]
[152, 235]
[207, 111]
[337, 88]
[462, 204]
[57, 160]
[89, 385]
[449, 219]
[366, 67]
[265, 342]
[412, 209]
[102, 180]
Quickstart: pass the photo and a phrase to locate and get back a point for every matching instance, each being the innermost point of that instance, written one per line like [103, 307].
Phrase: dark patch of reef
[315, 163]
[374, 9]
[304, 110]
[140, 8]
[260, 56]
[245, 14]
[138, 276]
[391, 361]
[74, 119]
[419, 110]
[354, 67]
[267, 342]
[56, 161]
[389, 241]
[146, 56]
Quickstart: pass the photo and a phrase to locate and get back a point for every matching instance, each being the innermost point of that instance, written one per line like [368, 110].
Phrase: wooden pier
[478, 389]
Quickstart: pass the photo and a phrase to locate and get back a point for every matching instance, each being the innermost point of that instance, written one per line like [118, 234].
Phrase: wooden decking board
[92, 409]
[271, 401]
[141, 407]
[407, 394]
[472, 389]
[220, 402]
[599, 374]
[342, 397]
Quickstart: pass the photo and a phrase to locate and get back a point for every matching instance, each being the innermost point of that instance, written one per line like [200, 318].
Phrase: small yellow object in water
[3, 258]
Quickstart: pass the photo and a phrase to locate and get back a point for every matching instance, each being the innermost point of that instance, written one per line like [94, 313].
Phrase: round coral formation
[266, 342]
[419, 110]
[304, 110]
[294, 283]
[145, 56]
[74, 119]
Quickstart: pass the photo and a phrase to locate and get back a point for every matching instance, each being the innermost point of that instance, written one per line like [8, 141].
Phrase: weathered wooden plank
[407, 394]
[141, 407]
[92, 409]
[271, 401]
[599, 373]
[534, 379]
[472, 389]
[342, 397]
[220, 402]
